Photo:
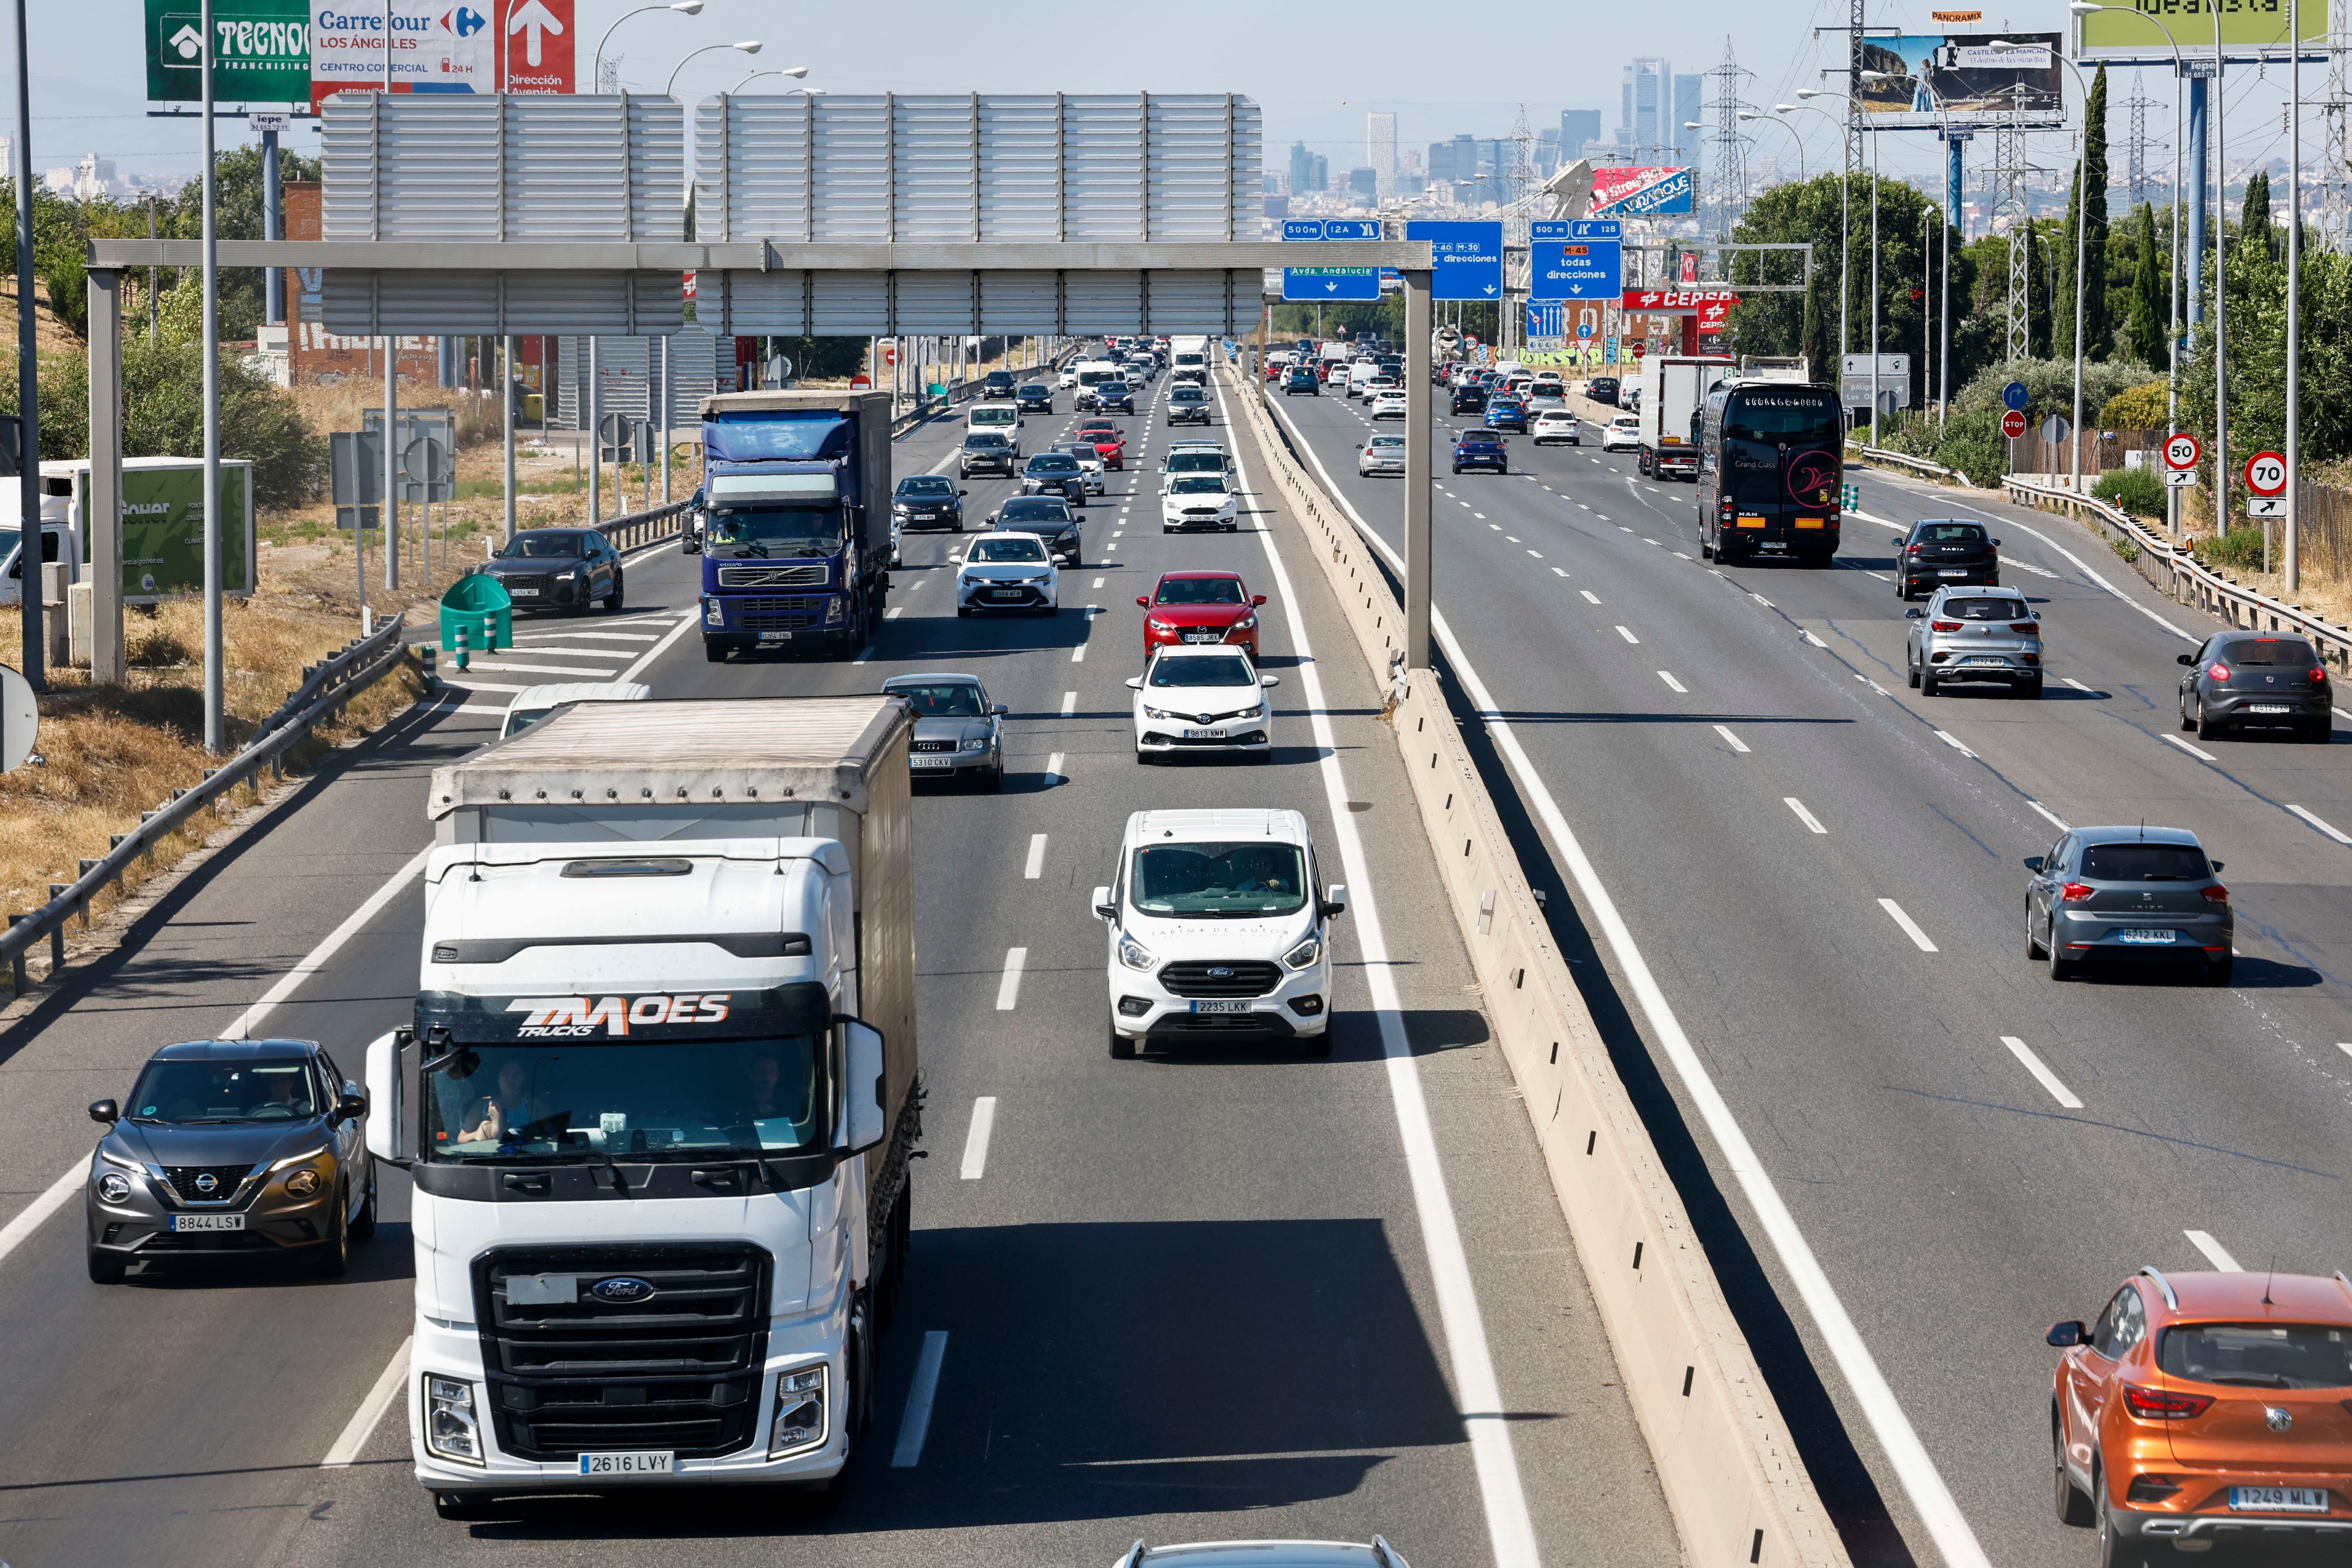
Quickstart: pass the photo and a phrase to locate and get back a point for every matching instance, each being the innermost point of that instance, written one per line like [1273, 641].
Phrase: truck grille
[678, 1370]
[772, 576]
[1221, 977]
[765, 614]
[227, 1179]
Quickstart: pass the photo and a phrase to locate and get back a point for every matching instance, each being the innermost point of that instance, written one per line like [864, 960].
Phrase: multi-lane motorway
[1219, 1293]
[1817, 873]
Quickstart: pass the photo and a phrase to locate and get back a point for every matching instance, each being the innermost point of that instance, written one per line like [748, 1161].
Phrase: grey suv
[2144, 893]
[2239, 680]
[1974, 634]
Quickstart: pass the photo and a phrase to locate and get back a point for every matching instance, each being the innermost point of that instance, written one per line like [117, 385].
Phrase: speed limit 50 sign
[2182, 451]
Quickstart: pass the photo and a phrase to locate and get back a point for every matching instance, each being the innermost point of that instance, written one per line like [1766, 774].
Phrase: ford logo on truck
[622, 1292]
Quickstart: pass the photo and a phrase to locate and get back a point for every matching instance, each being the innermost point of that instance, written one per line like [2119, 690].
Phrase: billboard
[163, 527]
[1642, 192]
[261, 51]
[2128, 32]
[1932, 80]
[436, 46]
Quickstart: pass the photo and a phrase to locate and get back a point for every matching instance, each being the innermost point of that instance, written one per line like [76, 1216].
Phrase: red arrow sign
[2012, 423]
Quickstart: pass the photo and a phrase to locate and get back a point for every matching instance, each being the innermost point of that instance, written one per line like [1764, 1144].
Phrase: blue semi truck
[796, 520]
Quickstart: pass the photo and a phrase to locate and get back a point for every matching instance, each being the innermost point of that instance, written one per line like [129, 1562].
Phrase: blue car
[1482, 449]
[1508, 414]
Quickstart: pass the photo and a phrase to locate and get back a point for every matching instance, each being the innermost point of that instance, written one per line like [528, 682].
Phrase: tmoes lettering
[575, 1017]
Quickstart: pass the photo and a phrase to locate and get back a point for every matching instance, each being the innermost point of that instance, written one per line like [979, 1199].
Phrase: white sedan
[1199, 500]
[1388, 406]
[1623, 434]
[1202, 697]
[1556, 425]
[1069, 377]
[1009, 572]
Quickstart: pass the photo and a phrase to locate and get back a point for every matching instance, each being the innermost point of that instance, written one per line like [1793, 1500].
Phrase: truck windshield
[1233, 881]
[582, 1100]
[736, 531]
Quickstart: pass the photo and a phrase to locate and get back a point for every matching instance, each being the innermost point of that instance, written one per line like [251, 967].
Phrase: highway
[1819, 870]
[1218, 1293]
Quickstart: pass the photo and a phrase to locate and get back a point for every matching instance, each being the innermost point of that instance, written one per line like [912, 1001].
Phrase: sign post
[2181, 454]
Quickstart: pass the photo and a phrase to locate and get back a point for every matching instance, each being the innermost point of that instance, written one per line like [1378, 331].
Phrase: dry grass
[114, 752]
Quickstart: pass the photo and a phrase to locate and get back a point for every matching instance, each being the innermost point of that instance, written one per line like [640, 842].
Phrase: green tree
[2086, 225]
[2254, 226]
[2150, 331]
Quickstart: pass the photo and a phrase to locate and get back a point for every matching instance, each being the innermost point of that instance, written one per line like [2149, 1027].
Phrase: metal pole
[2294, 294]
[28, 371]
[1874, 288]
[2172, 283]
[507, 420]
[273, 227]
[2082, 243]
[390, 510]
[2220, 305]
[665, 420]
[1418, 477]
[1957, 150]
[595, 444]
[215, 736]
[154, 308]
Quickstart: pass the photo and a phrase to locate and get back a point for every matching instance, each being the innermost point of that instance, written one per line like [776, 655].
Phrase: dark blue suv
[1482, 449]
[1508, 414]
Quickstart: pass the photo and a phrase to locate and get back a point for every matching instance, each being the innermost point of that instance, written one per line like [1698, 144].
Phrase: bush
[163, 416]
[2141, 409]
[2240, 547]
[1973, 445]
[2136, 491]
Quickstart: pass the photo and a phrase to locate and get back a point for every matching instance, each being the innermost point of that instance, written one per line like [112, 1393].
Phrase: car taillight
[1913, 551]
[1946, 625]
[2219, 671]
[2217, 894]
[2318, 674]
[2163, 1405]
[2024, 629]
[2074, 892]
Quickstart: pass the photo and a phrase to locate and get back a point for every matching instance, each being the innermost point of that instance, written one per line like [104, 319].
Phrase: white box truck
[1188, 359]
[1673, 391]
[658, 1096]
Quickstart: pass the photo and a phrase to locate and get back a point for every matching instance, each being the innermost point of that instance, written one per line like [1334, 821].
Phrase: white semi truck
[1674, 390]
[658, 1096]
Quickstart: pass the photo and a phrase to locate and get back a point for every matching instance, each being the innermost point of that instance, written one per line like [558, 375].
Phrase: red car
[1198, 607]
[1108, 439]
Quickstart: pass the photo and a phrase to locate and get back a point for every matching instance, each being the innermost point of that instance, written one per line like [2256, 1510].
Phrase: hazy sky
[1316, 67]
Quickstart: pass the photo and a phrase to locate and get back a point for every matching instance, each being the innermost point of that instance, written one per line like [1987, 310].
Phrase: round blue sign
[2014, 396]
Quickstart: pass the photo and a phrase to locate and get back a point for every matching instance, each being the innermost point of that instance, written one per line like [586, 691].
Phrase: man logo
[622, 1292]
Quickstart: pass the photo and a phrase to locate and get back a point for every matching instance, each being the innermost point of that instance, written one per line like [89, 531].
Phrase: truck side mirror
[390, 1070]
[865, 1116]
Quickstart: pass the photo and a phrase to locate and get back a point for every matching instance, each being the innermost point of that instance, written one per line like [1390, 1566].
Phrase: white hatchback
[1218, 928]
[1204, 696]
[1622, 433]
[1009, 572]
[1557, 424]
[1388, 406]
[1199, 500]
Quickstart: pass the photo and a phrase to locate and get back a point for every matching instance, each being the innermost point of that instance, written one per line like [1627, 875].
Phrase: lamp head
[749, 46]
[687, 8]
[795, 72]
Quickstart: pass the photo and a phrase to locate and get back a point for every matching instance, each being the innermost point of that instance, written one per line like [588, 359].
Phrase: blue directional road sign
[1543, 319]
[1467, 258]
[2014, 395]
[1355, 283]
[1578, 258]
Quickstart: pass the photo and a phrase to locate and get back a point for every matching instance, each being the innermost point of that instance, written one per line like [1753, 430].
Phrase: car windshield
[543, 547]
[522, 718]
[764, 531]
[1975, 609]
[1199, 485]
[2144, 863]
[580, 1101]
[986, 438]
[1196, 463]
[2292, 652]
[1053, 463]
[1199, 591]
[2258, 1355]
[1007, 550]
[1035, 509]
[926, 484]
[1221, 879]
[1111, 389]
[939, 699]
[1188, 394]
[1035, 390]
[1794, 419]
[1078, 451]
[1219, 669]
[193, 1093]
[1099, 433]
[1949, 533]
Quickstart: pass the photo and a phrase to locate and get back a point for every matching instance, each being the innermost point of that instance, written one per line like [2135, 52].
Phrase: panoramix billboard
[261, 51]
[1640, 193]
[2134, 32]
[1933, 79]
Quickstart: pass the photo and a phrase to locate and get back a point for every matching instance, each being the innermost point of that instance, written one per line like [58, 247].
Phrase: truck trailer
[1673, 391]
[657, 1097]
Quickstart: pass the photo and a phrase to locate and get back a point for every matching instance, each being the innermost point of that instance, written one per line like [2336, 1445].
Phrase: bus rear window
[1781, 419]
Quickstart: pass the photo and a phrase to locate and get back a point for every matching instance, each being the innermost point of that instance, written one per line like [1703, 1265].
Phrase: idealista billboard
[2136, 31]
[1933, 79]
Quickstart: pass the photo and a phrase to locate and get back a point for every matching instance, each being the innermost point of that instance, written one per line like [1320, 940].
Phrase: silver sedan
[1975, 634]
[1380, 455]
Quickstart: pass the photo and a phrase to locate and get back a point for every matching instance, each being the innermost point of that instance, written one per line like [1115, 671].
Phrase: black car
[1481, 449]
[927, 501]
[1469, 398]
[1049, 517]
[1188, 404]
[1301, 379]
[558, 569]
[1602, 389]
[247, 1147]
[986, 452]
[2242, 681]
[1938, 552]
[1114, 398]
[959, 732]
[996, 384]
[1508, 414]
[1034, 398]
[1054, 473]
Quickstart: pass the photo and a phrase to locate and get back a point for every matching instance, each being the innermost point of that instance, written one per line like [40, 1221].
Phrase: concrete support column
[102, 499]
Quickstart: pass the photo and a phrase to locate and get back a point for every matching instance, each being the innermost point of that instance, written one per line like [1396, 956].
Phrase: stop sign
[2012, 423]
[1640, 348]
[859, 383]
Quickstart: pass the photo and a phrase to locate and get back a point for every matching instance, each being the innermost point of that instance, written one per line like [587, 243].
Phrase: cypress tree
[2086, 227]
[2255, 216]
[2149, 326]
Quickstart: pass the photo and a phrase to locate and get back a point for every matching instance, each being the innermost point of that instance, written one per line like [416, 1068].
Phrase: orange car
[2205, 1408]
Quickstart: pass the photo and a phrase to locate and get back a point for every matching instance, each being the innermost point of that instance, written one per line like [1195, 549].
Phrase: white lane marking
[2048, 815]
[2215, 1253]
[389, 1385]
[2041, 1073]
[1536, 553]
[1069, 703]
[2344, 1045]
[30, 1217]
[1078, 654]
[916, 1423]
[1763, 601]
[867, 653]
[1054, 768]
[1037, 866]
[1627, 634]
[2080, 687]
[592, 636]
[659, 648]
[2340, 713]
[2328, 828]
[1510, 1532]
[1099, 581]
[1910, 927]
[1812, 639]
[2085, 567]
[1671, 682]
[2023, 566]
[1735, 744]
[1680, 556]
[1008, 989]
[1590, 596]
[1954, 742]
[1557, 572]
[504, 666]
[975, 1142]
[893, 613]
[2201, 756]
[1807, 817]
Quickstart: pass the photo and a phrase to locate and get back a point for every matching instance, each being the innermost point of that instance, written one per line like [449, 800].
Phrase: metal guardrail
[1906, 460]
[640, 529]
[325, 689]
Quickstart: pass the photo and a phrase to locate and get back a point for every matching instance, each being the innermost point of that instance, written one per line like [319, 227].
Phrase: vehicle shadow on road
[388, 1255]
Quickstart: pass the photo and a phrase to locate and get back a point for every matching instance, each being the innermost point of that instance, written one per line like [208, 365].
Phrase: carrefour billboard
[1642, 192]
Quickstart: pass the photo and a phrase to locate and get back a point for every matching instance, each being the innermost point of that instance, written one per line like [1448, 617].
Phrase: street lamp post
[794, 71]
[1750, 114]
[1845, 224]
[749, 46]
[684, 8]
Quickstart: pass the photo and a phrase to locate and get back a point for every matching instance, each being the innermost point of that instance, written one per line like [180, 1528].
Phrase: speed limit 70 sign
[2266, 474]
[2182, 451]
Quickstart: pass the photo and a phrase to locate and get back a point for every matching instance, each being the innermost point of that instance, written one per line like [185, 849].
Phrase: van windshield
[1221, 881]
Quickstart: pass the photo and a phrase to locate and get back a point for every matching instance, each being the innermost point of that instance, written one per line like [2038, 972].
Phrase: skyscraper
[1688, 90]
[1302, 169]
[1380, 147]
[1647, 103]
[1577, 127]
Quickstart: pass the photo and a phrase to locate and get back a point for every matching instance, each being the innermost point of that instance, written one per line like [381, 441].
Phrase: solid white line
[1812, 639]
[1627, 634]
[2215, 1253]
[1954, 742]
[467, 683]
[916, 1425]
[1510, 1531]
[1737, 744]
[1054, 768]
[1807, 817]
[1069, 703]
[30, 1217]
[2041, 1073]
[659, 648]
[1673, 683]
[388, 1386]
[1910, 927]
[1590, 597]
[2329, 829]
[1763, 601]
[1008, 989]
[1037, 866]
[2080, 687]
[2201, 756]
[975, 1142]
[2049, 816]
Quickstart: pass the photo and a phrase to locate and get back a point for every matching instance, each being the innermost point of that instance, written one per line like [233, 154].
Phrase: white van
[1092, 374]
[1000, 419]
[1361, 374]
[533, 703]
[61, 535]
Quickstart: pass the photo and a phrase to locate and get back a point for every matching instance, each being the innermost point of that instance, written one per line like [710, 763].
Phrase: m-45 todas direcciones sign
[1577, 258]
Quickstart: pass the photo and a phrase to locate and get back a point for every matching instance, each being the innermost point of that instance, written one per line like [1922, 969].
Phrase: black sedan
[985, 451]
[1301, 379]
[1602, 389]
[246, 1147]
[1469, 398]
[2240, 681]
[927, 501]
[1115, 397]
[1054, 473]
[1481, 449]
[1046, 516]
[1035, 398]
[959, 732]
[996, 384]
[558, 569]
[1936, 553]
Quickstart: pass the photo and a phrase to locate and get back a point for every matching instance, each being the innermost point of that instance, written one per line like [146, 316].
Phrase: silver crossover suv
[1975, 634]
[2145, 893]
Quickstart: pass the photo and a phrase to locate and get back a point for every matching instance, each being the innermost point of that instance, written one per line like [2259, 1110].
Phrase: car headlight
[1152, 712]
[799, 1411]
[1257, 713]
[1134, 954]
[568, 574]
[1305, 954]
[979, 744]
[903, 510]
[115, 1187]
[451, 1431]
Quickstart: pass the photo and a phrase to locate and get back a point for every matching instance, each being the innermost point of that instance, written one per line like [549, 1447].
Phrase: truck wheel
[713, 653]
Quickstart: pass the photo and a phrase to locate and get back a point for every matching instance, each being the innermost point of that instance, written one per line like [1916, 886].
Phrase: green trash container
[470, 598]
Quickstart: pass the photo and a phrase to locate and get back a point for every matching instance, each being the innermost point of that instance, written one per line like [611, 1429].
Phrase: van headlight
[1305, 954]
[799, 1411]
[451, 1431]
[1134, 954]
